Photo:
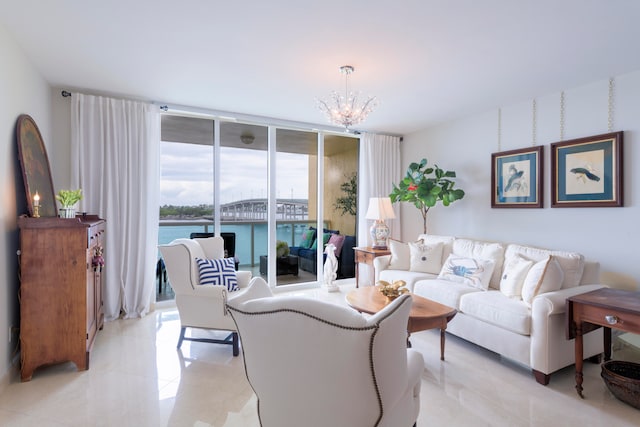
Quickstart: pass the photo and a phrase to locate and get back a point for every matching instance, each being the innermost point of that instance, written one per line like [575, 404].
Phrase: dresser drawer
[95, 234]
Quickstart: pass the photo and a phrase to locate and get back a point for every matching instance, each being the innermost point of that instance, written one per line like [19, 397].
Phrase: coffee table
[425, 314]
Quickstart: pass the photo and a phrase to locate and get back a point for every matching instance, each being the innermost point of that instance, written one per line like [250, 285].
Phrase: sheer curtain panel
[114, 146]
[379, 170]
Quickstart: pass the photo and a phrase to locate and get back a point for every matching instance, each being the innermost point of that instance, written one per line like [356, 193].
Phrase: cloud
[187, 174]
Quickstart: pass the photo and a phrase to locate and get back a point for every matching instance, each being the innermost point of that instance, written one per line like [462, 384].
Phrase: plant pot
[67, 212]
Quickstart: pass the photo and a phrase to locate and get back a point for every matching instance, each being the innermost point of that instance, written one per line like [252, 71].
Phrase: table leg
[579, 357]
[357, 273]
[607, 343]
[442, 344]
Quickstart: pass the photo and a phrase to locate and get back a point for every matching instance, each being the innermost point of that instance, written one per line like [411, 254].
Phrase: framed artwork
[516, 178]
[35, 167]
[587, 172]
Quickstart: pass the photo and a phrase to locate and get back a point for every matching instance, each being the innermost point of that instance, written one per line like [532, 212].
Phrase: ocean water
[290, 233]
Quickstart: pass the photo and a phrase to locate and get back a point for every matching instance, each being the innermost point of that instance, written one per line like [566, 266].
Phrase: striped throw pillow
[218, 272]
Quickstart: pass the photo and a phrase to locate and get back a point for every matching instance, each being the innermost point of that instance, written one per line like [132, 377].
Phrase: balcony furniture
[284, 265]
[203, 306]
[510, 298]
[308, 256]
[61, 307]
[607, 308]
[229, 244]
[316, 364]
[366, 255]
[425, 314]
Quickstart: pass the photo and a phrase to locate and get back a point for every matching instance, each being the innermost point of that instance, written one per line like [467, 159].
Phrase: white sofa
[525, 324]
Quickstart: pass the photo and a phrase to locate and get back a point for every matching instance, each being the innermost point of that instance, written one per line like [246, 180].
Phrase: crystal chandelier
[347, 110]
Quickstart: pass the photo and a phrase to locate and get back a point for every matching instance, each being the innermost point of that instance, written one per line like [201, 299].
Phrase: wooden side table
[606, 307]
[366, 255]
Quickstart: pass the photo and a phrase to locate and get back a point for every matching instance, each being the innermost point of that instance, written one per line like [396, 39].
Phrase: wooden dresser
[60, 290]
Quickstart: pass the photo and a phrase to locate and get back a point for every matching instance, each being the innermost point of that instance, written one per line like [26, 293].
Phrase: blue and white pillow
[470, 271]
[218, 272]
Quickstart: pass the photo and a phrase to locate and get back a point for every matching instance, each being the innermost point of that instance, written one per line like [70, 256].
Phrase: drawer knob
[612, 320]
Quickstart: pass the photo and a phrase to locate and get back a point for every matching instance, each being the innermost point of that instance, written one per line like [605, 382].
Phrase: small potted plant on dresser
[68, 200]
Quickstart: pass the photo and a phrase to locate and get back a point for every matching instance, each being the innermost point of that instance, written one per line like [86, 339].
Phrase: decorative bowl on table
[623, 380]
[392, 290]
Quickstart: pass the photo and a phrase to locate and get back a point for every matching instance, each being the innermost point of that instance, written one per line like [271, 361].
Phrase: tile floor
[138, 378]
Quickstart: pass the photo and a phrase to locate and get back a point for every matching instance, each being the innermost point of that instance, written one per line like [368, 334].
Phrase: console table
[608, 308]
[366, 255]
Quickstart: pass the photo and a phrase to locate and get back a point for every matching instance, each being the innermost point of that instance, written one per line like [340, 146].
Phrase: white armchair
[316, 364]
[203, 306]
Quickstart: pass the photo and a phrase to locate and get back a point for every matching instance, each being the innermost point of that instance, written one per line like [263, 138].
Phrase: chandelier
[348, 109]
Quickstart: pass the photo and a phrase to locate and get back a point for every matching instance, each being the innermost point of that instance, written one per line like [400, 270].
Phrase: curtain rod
[247, 117]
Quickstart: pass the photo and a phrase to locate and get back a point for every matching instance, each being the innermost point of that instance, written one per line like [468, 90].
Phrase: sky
[186, 174]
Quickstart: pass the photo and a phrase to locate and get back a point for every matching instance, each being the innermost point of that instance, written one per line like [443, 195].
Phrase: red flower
[412, 187]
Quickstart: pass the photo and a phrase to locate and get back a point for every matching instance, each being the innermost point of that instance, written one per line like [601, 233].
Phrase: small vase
[67, 212]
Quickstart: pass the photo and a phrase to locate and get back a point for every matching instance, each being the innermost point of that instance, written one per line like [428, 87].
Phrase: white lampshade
[380, 208]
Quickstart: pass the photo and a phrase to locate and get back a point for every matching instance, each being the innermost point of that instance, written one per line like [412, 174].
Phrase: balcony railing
[251, 236]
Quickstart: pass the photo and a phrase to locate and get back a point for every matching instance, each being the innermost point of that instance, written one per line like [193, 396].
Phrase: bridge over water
[256, 210]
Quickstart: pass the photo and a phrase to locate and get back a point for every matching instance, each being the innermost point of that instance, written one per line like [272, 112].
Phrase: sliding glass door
[260, 186]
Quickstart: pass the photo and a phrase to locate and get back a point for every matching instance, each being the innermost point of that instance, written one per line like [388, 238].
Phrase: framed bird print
[587, 172]
[516, 178]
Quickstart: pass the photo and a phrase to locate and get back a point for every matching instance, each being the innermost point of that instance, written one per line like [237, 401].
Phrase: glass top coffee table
[425, 314]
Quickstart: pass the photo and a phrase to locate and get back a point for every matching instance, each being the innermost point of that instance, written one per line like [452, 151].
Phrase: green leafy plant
[68, 198]
[424, 186]
[282, 248]
[348, 203]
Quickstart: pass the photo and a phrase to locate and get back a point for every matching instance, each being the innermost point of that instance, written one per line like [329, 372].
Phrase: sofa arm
[243, 278]
[555, 302]
[380, 263]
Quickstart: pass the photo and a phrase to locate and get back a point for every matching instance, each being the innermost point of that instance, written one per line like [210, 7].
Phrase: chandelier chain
[562, 116]
[499, 129]
[534, 124]
[610, 106]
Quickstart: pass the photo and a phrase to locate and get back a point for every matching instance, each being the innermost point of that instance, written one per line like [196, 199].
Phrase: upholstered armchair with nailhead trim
[316, 364]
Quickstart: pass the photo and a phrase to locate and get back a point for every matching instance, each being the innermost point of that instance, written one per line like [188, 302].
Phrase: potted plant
[282, 249]
[68, 200]
[424, 187]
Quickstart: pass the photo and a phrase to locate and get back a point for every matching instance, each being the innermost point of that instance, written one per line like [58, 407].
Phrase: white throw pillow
[400, 255]
[470, 271]
[544, 276]
[512, 280]
[425, 258]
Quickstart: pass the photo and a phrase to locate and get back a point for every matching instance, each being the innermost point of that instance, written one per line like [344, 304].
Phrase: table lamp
[379, 209]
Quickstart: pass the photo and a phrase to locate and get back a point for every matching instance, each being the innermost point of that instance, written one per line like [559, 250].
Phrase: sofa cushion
[497, 309]
[544, 276]
[447, 244]
[308, 237]
[337, 240]
[400, 255]
[572, 263]
[482, 250]
[443, 291]
[513, 275]
[409, 277]
[470, 271]
[425, 258]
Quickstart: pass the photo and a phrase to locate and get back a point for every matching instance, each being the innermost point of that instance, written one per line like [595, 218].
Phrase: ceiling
[426, 60]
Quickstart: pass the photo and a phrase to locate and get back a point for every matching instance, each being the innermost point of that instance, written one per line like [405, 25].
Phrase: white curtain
[114, 146]
[379, 169]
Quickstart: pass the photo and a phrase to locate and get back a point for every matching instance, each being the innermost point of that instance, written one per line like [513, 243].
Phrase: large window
[223, 184]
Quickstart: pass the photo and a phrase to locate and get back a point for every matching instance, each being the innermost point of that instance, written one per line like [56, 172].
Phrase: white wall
[22, 91]
[608, 235]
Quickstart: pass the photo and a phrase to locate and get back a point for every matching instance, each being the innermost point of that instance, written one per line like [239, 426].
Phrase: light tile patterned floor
[138, 378]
